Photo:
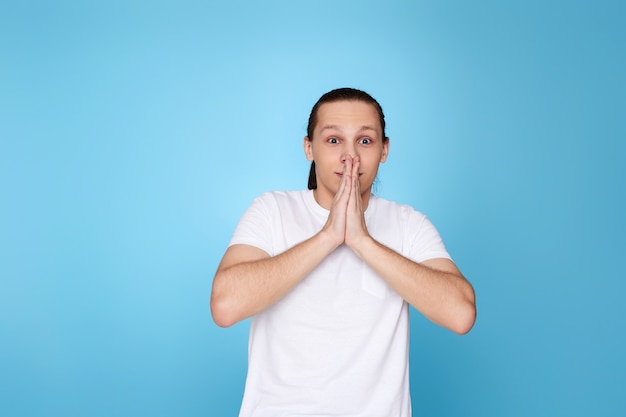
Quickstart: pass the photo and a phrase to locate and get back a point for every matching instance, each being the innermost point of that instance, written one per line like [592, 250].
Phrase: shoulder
[403, 217]
[390, 208]
[282, 197]
[277, 203]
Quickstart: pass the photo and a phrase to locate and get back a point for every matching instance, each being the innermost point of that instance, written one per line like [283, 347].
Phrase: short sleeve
[255, 226]
[424, 241]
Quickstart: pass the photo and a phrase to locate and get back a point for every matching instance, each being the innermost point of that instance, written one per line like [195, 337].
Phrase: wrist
[328, 239]
[361, 245]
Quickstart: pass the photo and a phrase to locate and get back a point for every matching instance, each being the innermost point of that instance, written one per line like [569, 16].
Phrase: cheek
[327, 156]
[371, 160]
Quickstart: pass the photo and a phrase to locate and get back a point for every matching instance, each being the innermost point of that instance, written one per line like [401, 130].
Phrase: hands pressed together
[346, 221]
[249, 280]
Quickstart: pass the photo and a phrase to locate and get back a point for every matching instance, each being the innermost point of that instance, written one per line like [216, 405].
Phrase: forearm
[443, 295]
[243, 289]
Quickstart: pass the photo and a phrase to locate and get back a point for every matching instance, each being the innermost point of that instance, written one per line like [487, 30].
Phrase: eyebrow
[336, 127]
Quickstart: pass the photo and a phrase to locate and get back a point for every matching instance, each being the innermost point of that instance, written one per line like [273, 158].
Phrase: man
[327, 273]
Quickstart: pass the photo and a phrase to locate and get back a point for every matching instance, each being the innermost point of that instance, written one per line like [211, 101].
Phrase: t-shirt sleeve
[424, 241]
[254, 227]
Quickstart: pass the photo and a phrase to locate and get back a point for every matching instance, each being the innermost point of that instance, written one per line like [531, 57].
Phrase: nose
[349, 150]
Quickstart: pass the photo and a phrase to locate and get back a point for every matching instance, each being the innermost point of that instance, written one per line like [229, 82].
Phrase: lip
[340, 174]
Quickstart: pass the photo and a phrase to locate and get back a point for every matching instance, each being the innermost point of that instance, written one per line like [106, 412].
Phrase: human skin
[347, 147]
[346, 132]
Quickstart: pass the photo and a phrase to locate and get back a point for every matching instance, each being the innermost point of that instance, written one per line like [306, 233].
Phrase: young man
[326, 275]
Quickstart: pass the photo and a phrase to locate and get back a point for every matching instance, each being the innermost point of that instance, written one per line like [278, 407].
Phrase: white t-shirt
[337, 344]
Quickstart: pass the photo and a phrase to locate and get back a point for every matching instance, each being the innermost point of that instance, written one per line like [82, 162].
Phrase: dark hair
[340, 94]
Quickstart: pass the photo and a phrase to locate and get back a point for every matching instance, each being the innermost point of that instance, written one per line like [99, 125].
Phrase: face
[345, 128]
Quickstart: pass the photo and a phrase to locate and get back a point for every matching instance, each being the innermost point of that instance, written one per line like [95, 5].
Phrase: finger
[355, 176]
[344, 185]
[347, 171]
[356, 164]
[347, 165]
[356, 184]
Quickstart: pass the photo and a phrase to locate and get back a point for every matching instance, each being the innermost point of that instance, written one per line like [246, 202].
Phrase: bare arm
[248, 280]
[435, 287]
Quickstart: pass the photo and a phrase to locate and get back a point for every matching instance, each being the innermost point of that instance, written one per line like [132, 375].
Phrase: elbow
[465, 318]
[222, 308]
[465, 322]
[222, 314]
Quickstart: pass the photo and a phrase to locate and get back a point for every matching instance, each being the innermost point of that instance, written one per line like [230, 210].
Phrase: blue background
[135, 133]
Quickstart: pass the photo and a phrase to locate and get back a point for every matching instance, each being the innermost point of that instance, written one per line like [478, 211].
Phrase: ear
[385, 153]
[308, 151]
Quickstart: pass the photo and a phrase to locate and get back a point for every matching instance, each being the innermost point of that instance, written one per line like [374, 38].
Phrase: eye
[365, 141]
[333, 140]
